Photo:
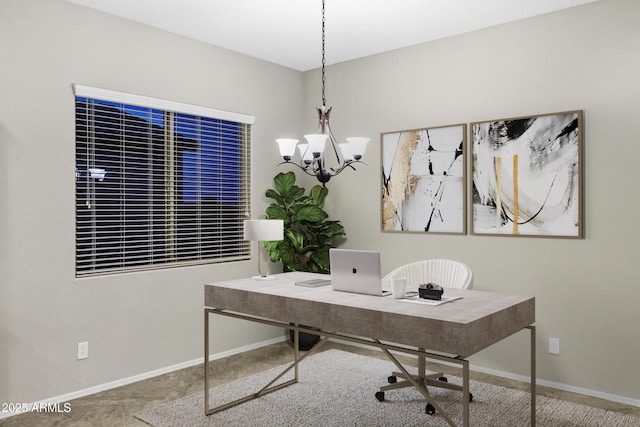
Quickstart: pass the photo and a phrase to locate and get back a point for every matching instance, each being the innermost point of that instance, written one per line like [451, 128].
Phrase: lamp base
[263, 278]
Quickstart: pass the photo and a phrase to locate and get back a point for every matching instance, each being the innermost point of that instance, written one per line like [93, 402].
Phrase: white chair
[444, 272]
[448, 274]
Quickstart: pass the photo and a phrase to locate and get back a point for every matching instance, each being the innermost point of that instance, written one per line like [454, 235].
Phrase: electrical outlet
[554, 345]
[83, 350]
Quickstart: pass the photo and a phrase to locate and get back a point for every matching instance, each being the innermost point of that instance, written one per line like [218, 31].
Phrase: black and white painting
[423, 175]
[527, 175]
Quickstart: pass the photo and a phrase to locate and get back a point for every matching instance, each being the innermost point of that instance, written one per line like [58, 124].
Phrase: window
[158, 183]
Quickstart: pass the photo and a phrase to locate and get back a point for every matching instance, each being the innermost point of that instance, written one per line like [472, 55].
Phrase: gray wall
[134, 323]
[587, 291]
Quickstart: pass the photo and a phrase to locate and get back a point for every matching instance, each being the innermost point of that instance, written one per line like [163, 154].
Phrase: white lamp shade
[305, 153]
[287, 146]
[263, 230]
[316, 142]
[345, 149]
[358, 145]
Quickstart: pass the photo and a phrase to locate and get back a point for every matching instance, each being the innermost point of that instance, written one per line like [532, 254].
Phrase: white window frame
[173, 112]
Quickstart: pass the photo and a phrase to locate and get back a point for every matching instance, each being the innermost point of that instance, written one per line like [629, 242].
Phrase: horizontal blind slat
[165, 197]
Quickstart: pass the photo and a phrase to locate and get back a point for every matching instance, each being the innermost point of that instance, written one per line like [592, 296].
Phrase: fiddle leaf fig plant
[308, 233]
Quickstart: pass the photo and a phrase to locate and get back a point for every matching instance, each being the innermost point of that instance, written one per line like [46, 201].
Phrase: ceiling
[288, 32]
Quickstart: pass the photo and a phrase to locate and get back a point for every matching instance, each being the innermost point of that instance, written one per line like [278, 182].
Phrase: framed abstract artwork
[423, 180]
[527, 176]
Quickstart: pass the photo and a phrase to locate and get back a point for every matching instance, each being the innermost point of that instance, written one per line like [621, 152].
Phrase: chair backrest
[444, 272]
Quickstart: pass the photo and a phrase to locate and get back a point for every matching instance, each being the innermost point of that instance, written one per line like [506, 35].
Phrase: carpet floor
[337, 388]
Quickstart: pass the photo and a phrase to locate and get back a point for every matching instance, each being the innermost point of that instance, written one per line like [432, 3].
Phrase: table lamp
[262, 230]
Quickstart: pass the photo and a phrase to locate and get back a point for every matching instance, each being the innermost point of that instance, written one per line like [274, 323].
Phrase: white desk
[451, 332]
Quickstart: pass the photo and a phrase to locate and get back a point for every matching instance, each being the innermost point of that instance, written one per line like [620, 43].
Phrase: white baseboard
[119, 383]
[559, 386]
[524, 378]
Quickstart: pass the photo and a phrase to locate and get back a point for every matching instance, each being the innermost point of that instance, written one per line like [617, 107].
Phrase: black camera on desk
[430, 291]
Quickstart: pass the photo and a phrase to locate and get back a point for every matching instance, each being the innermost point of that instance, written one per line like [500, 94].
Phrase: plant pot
[305, 341]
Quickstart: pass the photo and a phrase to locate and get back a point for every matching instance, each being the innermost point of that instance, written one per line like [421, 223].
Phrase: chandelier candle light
[312, 154]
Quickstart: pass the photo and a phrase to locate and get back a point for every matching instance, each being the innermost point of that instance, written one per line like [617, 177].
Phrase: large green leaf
[333, 228]
[272, 194]
[274, 211]
[273, 249]
[295, 194]
[284, 184]
[318, 195]
[311, 214]
[296, 239]
[321, 259]
[285, 252]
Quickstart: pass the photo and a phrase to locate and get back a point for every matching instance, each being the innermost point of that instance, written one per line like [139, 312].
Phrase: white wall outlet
[554, 345]
[83, 350]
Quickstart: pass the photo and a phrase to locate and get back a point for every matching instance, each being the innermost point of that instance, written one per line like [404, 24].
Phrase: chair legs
[433, 380]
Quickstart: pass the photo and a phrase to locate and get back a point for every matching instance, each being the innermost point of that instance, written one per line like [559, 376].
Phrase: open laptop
[356, 271]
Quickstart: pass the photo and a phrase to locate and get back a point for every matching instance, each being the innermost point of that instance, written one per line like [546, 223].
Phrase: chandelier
[313, 159]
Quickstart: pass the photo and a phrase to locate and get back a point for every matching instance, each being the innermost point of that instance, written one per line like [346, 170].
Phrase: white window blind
[158, 183]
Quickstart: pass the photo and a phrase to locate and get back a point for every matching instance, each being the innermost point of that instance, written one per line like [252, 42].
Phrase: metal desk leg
[270, 387]
[206, 361]
[465, 392]
[532, 390]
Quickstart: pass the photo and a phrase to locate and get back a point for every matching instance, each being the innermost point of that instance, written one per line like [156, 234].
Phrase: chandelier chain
[312, 154]
[324, 100]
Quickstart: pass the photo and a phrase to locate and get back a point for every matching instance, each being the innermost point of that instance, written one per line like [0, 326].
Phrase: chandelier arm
[334, 145]
[319, 168]
[346, 165]
[305, 169]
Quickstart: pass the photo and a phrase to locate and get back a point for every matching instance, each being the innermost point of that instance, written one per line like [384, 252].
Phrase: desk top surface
[460, 327]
